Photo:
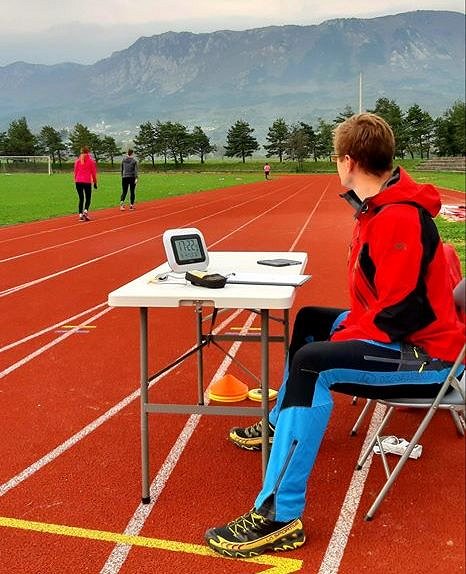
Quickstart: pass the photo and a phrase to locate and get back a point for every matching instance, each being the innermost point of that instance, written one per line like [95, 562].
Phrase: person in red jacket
[399, 337]
[85, 174]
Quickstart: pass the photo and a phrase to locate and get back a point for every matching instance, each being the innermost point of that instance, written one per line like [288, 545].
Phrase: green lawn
[448, 179]
[29, 197]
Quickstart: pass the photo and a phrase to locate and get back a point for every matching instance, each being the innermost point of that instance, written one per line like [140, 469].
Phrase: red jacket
[398, 276]
[85, 170]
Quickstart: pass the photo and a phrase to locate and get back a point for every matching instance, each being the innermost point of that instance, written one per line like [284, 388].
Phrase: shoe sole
[254, 444]
[288, 541]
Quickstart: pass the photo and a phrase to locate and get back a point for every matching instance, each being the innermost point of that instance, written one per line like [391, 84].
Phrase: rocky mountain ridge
[212, 79]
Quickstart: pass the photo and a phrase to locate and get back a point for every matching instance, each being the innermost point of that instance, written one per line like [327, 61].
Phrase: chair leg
[373, 440]
[360, 418]
[396, 471]
[459, 421]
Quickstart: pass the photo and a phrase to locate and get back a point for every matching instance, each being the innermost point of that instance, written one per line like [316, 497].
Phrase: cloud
[27, 16]
[53, 31]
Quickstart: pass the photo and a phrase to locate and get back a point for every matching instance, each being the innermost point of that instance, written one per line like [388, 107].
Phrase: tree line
[417, 134]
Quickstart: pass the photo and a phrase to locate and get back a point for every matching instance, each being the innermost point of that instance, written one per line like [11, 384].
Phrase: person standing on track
[401, 333]
[129, 178]
[85, 174]
[267, 171]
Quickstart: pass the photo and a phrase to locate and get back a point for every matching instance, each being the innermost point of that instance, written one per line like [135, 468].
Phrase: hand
[95, 186]
[136, 180]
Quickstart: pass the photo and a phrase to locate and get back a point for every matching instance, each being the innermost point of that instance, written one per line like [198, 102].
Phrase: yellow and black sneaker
[252, 534]
[250, 438]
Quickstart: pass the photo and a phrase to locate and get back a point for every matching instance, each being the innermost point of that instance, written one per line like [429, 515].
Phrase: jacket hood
[402, 189]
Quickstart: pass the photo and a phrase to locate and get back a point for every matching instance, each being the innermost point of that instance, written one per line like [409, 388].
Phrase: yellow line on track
[279, 565]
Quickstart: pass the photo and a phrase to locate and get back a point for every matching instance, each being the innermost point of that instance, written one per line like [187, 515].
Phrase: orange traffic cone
[228, 389]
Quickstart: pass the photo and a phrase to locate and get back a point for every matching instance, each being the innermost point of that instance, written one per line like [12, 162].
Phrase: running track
[69, 472]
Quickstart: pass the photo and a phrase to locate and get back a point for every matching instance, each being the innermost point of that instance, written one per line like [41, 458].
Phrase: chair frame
[454, 402]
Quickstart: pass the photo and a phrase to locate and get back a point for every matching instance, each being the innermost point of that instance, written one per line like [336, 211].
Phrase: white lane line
[262, 214]
[51, 328]
[339, 539]
[147, 208]
[12, 290]
[119, 554]
[52, 343]
[88, 429]
[309, 217]
[113, 230]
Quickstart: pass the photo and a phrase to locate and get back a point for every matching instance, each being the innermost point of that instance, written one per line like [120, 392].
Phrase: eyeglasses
[334, 157]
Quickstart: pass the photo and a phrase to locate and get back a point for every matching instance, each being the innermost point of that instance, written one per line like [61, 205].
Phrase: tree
[51, 143]
[298, 145]
[97, 146]
[324, 139]
[240, 141]
[20, 140]
[145, 142]
[419, 130]
[450, 131]
[174, 139]
[311, 138]
[110, 148]
[344, 115]
[277, 137]
[200, 143]
[81, 136]
[392, 114]
[3, 143]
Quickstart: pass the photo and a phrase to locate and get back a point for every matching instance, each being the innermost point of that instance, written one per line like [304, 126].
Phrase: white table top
[146, 291]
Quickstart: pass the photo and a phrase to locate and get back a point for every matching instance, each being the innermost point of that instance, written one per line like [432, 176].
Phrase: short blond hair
[368, 140]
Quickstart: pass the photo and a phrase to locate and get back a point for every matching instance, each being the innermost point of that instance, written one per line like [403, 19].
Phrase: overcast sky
[84, 31]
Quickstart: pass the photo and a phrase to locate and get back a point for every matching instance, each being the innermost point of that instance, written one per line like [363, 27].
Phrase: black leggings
[125, 183]
[310, 354]
[84, 189]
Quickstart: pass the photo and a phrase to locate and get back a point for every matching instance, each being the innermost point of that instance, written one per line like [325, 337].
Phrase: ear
[349, 162]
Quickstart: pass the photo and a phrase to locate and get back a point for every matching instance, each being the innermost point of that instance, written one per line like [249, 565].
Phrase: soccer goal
[25, 164]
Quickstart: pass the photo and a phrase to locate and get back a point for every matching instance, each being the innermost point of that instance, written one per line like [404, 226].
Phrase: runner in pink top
[85, 174]
[266, 170]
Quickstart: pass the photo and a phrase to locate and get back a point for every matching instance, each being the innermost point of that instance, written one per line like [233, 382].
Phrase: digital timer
[185, 249]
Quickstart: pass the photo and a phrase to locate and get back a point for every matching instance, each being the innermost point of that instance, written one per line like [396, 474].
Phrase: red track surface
[54, 386]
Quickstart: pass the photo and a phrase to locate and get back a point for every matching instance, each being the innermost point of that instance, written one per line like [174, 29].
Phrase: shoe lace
[254, 430]
[247, 522]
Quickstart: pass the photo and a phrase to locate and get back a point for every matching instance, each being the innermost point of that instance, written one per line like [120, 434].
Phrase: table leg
[286, 331]
[200, 358]
[144, 373]
[265, 387]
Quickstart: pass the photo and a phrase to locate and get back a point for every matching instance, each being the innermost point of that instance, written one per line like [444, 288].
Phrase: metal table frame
[135, 294]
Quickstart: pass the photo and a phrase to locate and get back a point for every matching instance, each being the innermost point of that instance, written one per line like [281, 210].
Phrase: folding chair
[451, 397]
[362, 414]
[459, 292]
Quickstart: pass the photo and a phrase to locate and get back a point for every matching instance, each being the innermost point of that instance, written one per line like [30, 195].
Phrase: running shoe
[252, 534]
[250, 438]
[81, 217]
[122, 206]
[86, 215]
[131, 206]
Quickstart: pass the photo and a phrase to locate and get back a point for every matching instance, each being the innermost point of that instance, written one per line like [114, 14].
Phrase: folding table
[161, 288]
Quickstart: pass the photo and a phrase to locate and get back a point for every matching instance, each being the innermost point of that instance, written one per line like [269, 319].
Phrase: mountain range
[212, 79]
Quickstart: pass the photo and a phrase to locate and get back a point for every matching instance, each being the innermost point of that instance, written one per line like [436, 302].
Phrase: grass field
[30, 197]
[233, 165]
